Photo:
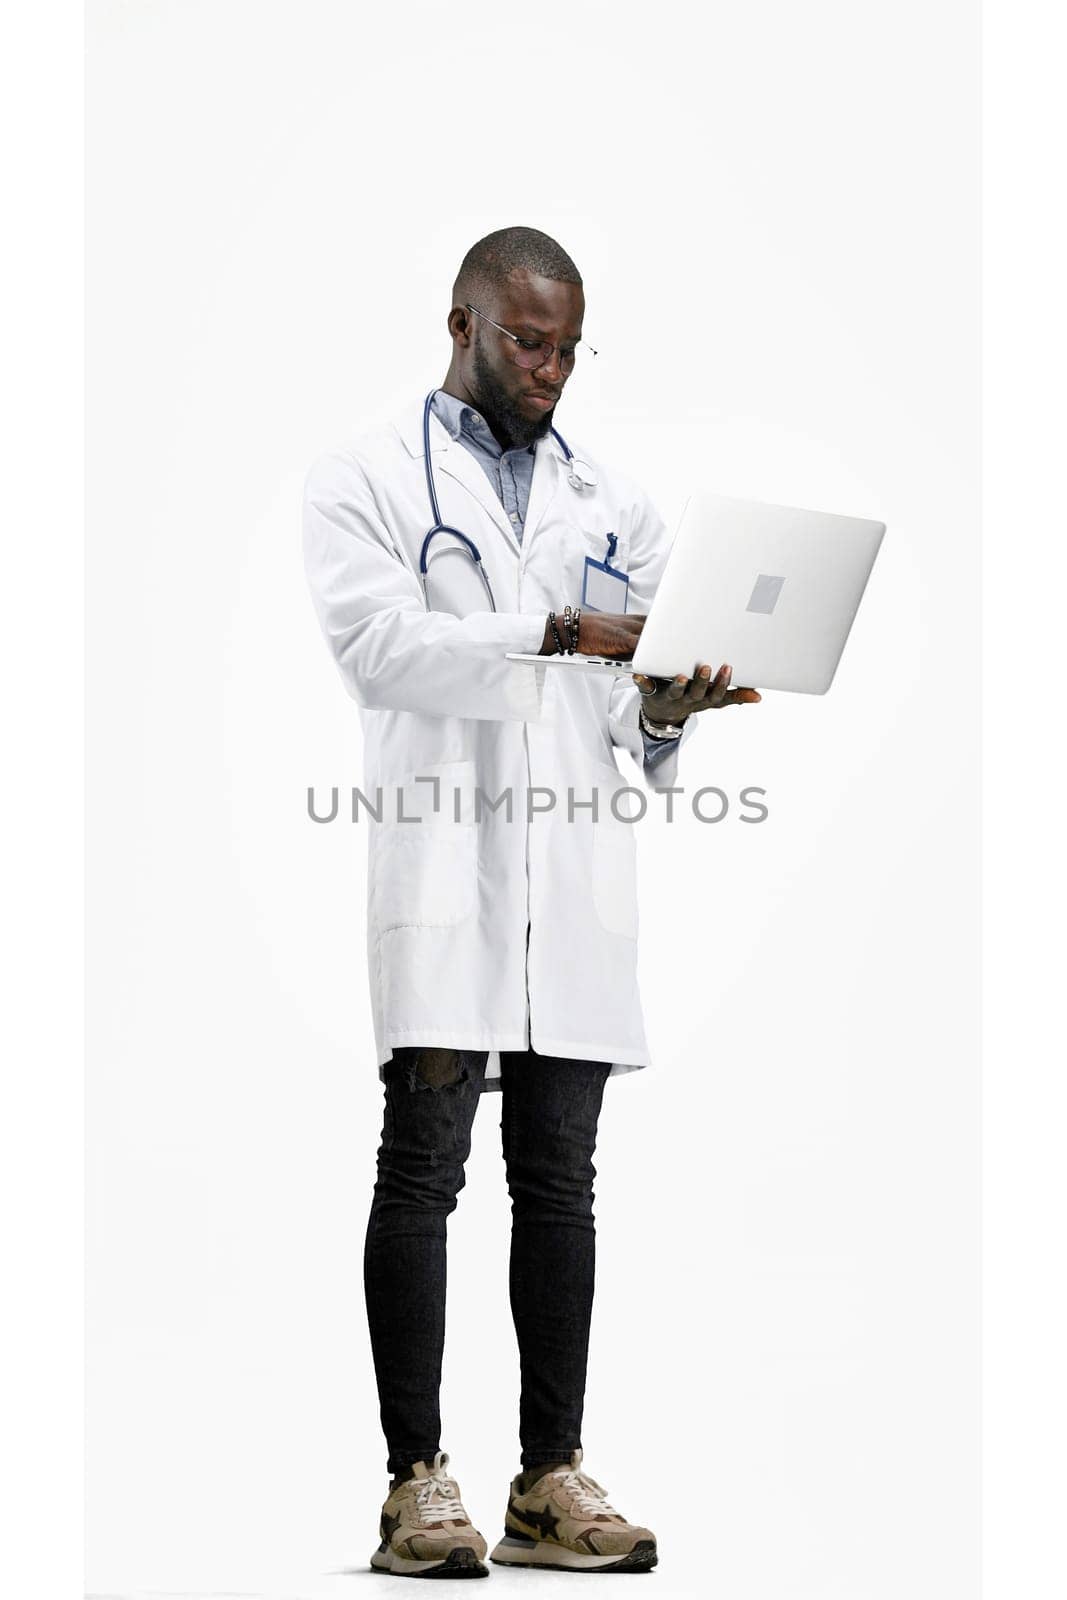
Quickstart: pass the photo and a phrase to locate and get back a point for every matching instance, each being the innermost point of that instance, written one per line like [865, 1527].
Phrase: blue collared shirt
[511, 473]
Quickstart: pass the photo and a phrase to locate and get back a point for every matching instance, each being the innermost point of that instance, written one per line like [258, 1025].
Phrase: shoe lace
[586, 1495]
[437, 1499]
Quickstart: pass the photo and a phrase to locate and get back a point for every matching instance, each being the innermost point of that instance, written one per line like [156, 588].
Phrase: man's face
[522, 401]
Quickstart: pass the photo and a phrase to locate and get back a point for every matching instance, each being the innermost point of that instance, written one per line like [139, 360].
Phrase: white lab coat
[493, 934]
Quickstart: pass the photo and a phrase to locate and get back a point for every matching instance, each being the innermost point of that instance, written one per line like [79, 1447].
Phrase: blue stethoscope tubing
[576, 480]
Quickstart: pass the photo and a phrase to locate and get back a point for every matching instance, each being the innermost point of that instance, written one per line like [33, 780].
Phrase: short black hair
[488, 263]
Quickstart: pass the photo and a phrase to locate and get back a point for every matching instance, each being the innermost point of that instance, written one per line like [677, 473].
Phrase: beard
[497, 406]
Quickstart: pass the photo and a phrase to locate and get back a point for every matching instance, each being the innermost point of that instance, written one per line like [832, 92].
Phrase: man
[501, 911]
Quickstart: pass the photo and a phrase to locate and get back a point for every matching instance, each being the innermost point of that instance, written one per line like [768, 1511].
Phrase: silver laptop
[773, 590]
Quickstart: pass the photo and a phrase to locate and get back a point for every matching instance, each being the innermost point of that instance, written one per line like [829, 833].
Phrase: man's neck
[459, 391]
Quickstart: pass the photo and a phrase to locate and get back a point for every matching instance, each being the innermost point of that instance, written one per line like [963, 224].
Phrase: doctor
[501, 909]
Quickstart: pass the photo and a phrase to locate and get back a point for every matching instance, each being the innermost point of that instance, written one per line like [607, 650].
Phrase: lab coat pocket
[595, 543]
[424, 872]
[614, 865]
[596, 540]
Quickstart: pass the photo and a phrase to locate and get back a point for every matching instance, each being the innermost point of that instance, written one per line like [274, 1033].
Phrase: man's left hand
[674, 699]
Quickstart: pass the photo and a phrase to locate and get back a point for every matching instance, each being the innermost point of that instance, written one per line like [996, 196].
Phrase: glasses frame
[517, 338]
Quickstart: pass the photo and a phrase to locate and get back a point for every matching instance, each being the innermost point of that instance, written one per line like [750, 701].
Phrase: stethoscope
[581, 476]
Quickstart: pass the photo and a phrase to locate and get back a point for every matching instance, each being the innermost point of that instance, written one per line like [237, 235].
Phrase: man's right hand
[600, 633]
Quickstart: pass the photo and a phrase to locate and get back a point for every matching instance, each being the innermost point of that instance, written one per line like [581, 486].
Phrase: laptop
[771, 589]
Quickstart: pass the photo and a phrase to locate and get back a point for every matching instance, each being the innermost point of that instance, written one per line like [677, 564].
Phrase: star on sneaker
[564, 1521]
[425, 1531]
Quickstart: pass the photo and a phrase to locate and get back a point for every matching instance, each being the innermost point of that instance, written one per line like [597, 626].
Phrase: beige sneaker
[425, 1531]
[566, 1522]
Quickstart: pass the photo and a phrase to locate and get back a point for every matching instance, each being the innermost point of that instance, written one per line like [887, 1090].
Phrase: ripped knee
[435, 1068]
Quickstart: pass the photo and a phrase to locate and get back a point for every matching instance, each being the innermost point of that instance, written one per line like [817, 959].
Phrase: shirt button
[514, 516]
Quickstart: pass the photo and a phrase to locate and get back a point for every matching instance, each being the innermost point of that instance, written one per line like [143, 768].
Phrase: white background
[776, 217]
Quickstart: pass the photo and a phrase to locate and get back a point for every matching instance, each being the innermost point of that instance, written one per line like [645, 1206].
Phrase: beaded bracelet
[560, 650]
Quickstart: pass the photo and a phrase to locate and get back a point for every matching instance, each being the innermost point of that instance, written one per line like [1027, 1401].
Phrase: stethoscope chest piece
[581, 474]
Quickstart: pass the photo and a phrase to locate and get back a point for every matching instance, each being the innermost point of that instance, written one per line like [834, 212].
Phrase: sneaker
[565, 1521]
[425, 1531]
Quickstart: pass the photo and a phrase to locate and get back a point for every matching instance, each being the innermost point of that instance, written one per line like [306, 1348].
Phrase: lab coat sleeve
[649, 546]
[393, 654]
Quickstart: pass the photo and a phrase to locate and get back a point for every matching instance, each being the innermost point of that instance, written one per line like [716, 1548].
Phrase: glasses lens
[532, 358]
[542, 353]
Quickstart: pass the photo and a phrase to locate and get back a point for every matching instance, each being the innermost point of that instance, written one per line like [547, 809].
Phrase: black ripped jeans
[550, 1108]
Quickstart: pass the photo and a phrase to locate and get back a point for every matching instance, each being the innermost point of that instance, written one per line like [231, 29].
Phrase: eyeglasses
[533, 353]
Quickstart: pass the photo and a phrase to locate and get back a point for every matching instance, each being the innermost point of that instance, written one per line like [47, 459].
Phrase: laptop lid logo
[765, 594]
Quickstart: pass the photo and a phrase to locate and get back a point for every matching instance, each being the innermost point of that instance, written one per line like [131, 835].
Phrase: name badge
[604, 588]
